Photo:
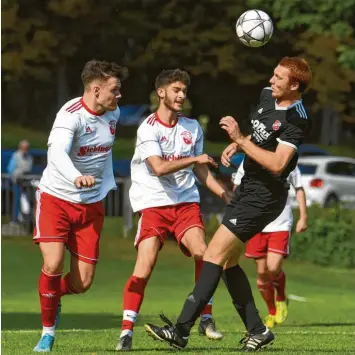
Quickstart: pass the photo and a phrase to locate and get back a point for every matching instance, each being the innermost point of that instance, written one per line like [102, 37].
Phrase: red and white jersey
[285, 220]
[154, 137]
[80, 143]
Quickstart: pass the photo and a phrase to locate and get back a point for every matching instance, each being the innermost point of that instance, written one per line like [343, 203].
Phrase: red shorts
[262, 243]
[76, 225]
[169, 220]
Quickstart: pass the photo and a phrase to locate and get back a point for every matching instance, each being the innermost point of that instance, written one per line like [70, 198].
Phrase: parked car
[328, 180]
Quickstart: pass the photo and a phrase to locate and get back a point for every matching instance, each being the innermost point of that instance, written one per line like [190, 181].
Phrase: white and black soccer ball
[254, 28]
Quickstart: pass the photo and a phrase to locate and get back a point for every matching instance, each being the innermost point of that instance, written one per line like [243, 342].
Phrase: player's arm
[275, 162]
[229, 152]
[161, 167]
[205, 176]
[301, 225]
[59, 144]
[295, 178]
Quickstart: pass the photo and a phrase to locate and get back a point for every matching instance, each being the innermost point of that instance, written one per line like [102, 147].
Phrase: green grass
[325, 324]
[123, 148]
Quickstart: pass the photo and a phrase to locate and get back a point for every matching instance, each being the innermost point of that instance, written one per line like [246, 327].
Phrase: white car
[328, 180]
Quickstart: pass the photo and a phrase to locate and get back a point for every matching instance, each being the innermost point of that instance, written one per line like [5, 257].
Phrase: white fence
[116, 204]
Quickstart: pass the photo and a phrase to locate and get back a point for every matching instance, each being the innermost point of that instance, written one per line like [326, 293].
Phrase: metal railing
[116, 204]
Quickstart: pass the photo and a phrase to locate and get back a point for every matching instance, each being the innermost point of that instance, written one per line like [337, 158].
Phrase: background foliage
[46, 43]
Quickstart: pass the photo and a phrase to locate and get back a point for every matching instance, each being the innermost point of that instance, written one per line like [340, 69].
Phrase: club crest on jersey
[276, 125]
[112, 127]
[187, 137]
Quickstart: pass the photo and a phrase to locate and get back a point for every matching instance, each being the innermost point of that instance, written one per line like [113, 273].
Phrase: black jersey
[273, 125]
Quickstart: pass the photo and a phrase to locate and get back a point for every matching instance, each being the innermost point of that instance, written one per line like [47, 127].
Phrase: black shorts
[252, 208]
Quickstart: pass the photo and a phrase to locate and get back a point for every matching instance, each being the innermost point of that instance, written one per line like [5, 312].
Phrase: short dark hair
[102, 70]
[167, 77]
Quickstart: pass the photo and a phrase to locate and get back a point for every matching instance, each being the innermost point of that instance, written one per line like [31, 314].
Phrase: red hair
[300, 71]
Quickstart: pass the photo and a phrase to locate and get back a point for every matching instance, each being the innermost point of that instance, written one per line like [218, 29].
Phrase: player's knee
[82, 285]
[263, 275]
[53, 267]
[274, 271]
[197, 253]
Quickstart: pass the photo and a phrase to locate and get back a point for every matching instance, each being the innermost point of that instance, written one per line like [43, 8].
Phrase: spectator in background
[19, 164]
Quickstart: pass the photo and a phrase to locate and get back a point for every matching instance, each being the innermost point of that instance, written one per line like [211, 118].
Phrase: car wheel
[331, 201]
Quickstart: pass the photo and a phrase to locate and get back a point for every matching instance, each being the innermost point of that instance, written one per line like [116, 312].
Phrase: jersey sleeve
[294, 131]
[148, 142]
[60, 142]
[295, 178]
[266, 94]
[199, 142]
[237, 177]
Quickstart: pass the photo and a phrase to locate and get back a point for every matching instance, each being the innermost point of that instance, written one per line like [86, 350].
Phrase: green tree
[330, 18]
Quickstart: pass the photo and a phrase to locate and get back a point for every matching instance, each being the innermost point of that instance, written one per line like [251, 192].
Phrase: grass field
[325, 324]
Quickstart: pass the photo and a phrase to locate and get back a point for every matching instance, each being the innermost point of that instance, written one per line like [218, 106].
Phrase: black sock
[195, 302]
[239, 288]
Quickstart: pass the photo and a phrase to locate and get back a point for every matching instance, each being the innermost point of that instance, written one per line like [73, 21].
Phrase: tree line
[46, 43]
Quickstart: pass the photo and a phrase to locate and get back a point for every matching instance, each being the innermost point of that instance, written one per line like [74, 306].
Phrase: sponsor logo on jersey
[233, 221]
[93, 150]
[276, 125]
[163, 139]
[187, 137]
[171, 157]
[260, 132]
[260, 110]
[112, 127]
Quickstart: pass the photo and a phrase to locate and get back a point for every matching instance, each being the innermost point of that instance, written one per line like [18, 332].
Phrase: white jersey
[154, 137]
[285, 220]
[80, 143]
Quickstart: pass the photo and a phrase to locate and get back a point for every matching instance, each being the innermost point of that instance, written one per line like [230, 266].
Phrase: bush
[329, 240]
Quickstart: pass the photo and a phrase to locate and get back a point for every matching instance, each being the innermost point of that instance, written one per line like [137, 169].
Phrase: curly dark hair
[167, 77]
[102, 70]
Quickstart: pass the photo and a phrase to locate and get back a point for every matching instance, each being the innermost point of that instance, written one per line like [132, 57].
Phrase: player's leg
[80, 277]
[51, 231]
[266, 289]
[194, 241]
[133, 293]
[278, 249]
[149, 240]
[256, 248]
[49, 291]
[222, 246]
[278, 279]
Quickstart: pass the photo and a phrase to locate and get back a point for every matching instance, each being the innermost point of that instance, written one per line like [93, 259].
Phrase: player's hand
[301, 226]
[206, 159]
[227, 196]
[84, 181]
[228, 153]
[230, 125]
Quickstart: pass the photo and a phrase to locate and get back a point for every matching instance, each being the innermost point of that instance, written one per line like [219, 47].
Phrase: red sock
[207, 311]
[279, 282]
[66, 288]
[49, 295]
[267, 292]
[133, 295]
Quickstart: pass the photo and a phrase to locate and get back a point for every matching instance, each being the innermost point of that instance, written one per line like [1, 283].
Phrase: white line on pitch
[300, 332]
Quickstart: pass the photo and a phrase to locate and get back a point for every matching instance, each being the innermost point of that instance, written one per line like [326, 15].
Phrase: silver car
[328, 180]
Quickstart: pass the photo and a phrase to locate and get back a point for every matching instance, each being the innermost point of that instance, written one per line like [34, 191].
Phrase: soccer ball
[254, 28]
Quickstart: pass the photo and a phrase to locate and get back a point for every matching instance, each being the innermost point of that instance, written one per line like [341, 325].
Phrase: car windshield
[307, 169]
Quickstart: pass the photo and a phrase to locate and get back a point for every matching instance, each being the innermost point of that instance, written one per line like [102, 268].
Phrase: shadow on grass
[27, 321]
